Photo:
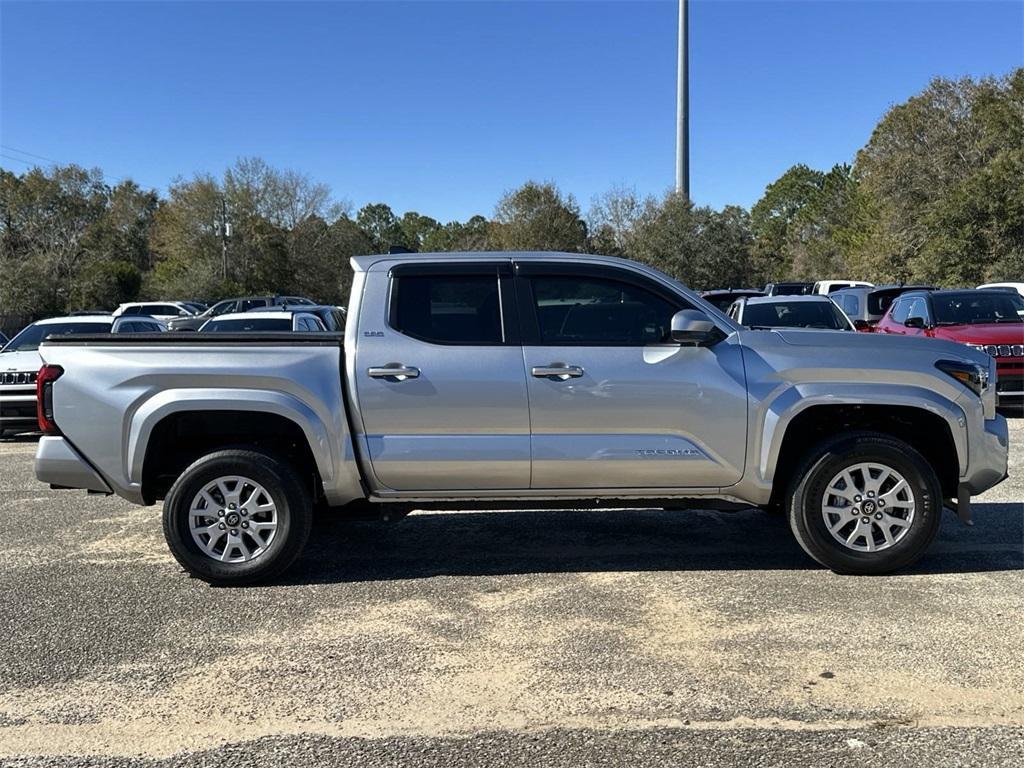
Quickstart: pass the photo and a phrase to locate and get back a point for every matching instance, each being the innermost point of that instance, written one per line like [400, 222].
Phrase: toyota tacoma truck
[518, 380]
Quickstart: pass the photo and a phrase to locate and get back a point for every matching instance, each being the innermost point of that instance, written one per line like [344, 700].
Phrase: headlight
[971, 375]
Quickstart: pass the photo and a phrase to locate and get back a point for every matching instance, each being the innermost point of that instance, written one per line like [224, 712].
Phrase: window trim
[502, 272]
[530, 323]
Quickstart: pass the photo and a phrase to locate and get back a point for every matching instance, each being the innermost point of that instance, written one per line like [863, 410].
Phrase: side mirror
[914, 322]
[691, 326]
[862, 325]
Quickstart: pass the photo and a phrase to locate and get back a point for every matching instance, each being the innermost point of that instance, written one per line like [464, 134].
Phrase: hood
[862, 345]
[20, 361]
[982, 333]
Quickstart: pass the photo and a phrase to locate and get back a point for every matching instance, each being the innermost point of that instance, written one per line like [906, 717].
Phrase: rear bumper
[60, 465]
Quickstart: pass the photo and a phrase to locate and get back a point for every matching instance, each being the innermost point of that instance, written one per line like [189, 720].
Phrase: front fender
[778, 412]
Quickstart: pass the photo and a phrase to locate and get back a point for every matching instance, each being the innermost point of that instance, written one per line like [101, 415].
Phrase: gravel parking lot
[520, 638]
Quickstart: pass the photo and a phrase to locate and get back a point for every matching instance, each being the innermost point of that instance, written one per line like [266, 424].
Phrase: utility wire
[17, 159]
[29, 154]
[140, 184]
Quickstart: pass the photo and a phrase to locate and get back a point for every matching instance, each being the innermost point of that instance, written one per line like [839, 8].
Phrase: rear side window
[448, 308]
[851, 303]
[599, 312]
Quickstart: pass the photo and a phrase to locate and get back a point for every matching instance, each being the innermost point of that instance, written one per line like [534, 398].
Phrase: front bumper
[18, 409]
[60, 465]
[989, 454]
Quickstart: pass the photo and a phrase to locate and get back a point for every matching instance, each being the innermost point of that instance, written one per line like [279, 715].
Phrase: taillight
[44, 398]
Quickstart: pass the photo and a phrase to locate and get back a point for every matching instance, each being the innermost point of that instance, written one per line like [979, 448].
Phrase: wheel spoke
[887, 533]
[899, 522]
[240, 541]
[215, 536]
[877, 483]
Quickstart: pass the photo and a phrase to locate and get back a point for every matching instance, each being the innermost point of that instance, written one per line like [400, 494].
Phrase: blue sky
[440, 107]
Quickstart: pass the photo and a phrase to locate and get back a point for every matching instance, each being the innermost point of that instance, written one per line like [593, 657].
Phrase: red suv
[992, 321]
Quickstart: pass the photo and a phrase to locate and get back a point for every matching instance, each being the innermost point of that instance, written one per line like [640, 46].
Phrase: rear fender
[331, 445]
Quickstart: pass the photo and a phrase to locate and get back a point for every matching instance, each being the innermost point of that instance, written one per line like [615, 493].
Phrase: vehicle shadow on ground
[24, 437]
[556, 541]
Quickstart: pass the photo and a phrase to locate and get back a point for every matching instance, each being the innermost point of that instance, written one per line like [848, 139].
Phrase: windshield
[29, 339]
[796, 314]
[791, 289]
[241, 326]
[977, 307]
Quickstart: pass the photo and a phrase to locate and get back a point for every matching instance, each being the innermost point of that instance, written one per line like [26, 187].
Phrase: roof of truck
[362, 263]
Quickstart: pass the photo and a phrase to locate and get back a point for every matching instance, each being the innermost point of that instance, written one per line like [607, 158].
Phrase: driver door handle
[396, 371]
[557, 371]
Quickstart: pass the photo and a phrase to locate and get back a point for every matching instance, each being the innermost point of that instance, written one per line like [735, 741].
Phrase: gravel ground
[521, 638]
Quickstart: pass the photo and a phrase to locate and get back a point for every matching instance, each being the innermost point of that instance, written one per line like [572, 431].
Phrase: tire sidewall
[293, 516]
[809, 523]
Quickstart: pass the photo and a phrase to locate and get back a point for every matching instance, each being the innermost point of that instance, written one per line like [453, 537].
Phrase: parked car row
[989, 318]
[20, 361]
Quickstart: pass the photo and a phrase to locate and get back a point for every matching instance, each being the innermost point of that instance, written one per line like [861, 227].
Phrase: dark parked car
[788, 289]
[866, 306]
[724, 297]
[231, 306]
[3, 340]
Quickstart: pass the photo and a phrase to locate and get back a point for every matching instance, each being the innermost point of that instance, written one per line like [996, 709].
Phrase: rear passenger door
[441, 390]
[614, 403]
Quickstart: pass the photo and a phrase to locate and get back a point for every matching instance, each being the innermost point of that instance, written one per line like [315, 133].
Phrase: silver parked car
[263, 320]
[516, 379]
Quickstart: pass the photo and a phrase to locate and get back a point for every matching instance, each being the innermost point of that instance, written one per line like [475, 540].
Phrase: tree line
[935, 195]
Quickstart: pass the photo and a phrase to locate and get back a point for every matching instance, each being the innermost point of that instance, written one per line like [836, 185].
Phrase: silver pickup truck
[519, 380]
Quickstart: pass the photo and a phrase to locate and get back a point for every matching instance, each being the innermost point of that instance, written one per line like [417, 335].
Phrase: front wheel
[237, 517]
[865, 503]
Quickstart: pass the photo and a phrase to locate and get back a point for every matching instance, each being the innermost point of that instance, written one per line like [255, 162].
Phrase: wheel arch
[177, 426]
[932, 431]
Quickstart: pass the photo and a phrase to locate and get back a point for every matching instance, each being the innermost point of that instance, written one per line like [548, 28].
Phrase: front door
[614, 404]
[439, 378]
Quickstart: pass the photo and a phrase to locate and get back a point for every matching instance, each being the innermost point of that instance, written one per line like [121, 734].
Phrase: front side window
[918, 309]
[598, 311]
[901, 311]
[448, 308]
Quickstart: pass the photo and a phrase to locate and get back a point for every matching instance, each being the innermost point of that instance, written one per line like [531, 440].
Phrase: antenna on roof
[394, 249]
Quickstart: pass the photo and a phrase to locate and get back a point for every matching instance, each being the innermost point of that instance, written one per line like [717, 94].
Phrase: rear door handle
[557, 371]
[396, 371]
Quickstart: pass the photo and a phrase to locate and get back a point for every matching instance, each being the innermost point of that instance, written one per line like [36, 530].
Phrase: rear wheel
[237, 517]
[865, 503]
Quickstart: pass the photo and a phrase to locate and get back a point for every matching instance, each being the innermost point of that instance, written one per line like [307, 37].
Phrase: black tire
[281, 482]
[828, 459]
